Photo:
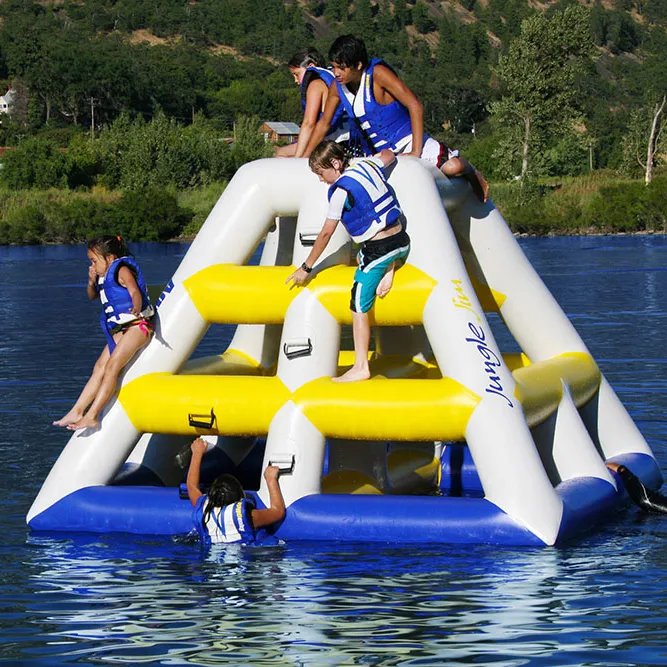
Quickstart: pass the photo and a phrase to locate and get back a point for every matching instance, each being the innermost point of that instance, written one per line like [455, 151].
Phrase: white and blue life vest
[380, 125]
[228, 524]
[116, 300]
[371, 203]
[312, 72]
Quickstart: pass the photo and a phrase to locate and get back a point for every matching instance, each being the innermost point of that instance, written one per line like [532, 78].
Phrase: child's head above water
[225, 490]
[328, 160]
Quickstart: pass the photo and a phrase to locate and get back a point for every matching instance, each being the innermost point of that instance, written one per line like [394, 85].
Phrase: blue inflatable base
[151, 510]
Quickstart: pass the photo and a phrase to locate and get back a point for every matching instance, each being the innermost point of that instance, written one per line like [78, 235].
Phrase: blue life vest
[228, 524]
[371, 202]
[327, 76]
[116, 300]
[380, 125]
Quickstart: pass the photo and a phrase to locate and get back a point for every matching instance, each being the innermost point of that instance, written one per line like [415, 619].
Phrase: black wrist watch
[306, 268]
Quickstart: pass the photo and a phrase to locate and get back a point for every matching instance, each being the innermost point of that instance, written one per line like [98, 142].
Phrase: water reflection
[122, 599]
[86, 599]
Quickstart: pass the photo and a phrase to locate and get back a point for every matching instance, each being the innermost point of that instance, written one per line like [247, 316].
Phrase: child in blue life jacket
[224, 514]
[384, 113]
[116, 279]
[361, 198]
[312, 77]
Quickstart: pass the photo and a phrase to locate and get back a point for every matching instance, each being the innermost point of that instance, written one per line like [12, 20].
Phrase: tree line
[144, 94]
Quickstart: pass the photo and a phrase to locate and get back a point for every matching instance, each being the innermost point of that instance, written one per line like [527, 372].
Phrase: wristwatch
[306, 268]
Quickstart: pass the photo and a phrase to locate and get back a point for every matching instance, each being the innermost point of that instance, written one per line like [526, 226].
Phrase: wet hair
[108, 244]
[306, 57]
[225, 490]
[348, 51]
[324, 153]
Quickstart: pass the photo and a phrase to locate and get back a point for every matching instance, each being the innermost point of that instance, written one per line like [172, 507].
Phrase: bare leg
[459, 166]
[126, 346]
[387, 281]
[361, 332]
[88, 392]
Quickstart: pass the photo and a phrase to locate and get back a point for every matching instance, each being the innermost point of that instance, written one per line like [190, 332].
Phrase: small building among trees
[275, 132]
[6, 101]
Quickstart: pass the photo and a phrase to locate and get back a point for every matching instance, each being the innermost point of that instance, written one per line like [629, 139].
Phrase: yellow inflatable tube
[229, 294]
[539, 386]
[403, 409]
[374, 410]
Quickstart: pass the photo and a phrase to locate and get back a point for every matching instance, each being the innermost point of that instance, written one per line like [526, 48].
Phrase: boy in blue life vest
[361, 198]
[224, 514]
[384, 113]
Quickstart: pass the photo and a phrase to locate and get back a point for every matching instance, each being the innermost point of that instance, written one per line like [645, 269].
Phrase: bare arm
[92, 283]
[276, 512]
[389, 82]
[192, 481]
[386, 156]
[316, 95]
[324, 123]
[300, 276]
[127, 280]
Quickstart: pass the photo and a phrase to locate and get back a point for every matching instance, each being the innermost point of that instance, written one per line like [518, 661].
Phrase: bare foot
[480, 186]
[70, 418]
[385, 284]
[85, 422]
[354, 375]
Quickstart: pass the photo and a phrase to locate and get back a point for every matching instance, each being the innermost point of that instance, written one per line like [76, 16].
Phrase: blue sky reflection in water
[118, 599]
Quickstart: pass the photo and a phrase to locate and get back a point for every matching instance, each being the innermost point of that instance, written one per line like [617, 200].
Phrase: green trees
[539, 106]
[142, 93]
[36, 163]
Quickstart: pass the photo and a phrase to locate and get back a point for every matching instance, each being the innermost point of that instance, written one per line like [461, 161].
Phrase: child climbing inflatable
[449, 440]
[361, 198]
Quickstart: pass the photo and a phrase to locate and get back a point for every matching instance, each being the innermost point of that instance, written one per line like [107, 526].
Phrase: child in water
[116, 279]
[309, 73]
[224, 514]
[361, 198]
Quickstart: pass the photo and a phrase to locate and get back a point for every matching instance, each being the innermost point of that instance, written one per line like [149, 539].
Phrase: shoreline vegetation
[121, 118]
[600, 203]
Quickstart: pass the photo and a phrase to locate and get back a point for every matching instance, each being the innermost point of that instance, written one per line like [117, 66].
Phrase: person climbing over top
[307, 68]
[384, 113]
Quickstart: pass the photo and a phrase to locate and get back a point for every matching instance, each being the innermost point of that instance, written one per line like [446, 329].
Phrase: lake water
[115, 599]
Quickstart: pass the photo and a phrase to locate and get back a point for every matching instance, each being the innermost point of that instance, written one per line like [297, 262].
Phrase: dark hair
[348, 51]
[324, 153]
[305, 57]
[107, 244]
[225, 490]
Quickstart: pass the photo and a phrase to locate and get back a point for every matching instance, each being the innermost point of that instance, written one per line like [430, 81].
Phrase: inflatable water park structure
[449, 441]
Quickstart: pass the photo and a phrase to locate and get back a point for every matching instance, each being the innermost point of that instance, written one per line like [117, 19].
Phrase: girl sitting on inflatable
[116, 279]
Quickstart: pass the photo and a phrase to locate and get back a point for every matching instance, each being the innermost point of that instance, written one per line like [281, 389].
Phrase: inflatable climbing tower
[449, 441]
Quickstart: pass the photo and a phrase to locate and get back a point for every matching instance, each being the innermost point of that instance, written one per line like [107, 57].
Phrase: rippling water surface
[117, 599]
